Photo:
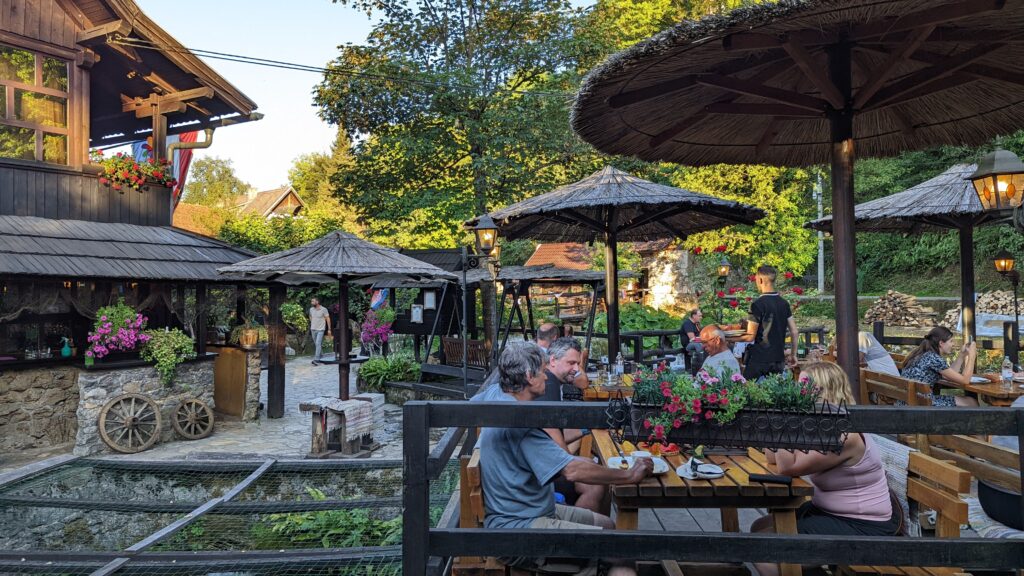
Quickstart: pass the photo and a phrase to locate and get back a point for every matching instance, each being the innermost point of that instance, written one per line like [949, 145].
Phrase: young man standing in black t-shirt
[770, 316]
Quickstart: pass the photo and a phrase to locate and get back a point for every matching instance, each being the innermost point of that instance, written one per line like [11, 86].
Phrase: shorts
[813, 520]
[566, 518]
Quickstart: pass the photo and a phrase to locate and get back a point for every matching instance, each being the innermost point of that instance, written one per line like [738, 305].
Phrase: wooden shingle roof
[33, 246]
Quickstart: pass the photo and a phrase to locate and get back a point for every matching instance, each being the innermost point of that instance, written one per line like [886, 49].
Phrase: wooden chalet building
[75, 75]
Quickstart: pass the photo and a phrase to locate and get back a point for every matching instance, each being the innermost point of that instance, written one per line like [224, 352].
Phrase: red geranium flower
[720, 248]
[788, 275]
[733, 290]
[752, 277]
[697, 250]
[798, 290]
[733, 303]
[720, 294]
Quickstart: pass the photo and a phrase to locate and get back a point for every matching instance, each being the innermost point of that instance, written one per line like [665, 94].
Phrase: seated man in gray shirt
[719, 356]
[518, 466]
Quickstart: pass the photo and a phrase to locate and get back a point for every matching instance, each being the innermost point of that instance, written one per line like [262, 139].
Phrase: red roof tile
[567, 255]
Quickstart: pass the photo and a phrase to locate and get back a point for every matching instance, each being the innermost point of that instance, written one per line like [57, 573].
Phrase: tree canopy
[212, 182]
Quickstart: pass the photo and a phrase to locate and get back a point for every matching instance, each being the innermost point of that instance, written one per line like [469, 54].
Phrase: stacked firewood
[898, 309]
[997, 302]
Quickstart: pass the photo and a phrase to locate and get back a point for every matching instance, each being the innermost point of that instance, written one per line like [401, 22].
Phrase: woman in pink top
[851, 495]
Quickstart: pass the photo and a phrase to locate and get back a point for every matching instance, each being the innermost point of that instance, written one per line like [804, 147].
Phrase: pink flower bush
[118, 329]
[376, 329]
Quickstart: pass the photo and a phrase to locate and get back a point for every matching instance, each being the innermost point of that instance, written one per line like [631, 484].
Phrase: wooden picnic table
[595, 393]
[729, 493]
[992, 392]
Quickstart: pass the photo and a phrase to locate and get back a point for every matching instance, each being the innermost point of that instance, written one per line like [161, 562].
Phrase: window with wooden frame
[33, 106]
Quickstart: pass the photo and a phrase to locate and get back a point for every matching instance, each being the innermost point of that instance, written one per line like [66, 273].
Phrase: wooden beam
[813, 72]
[954, 81]
[100, 34]
[128, 52]
[163, 103]
[761, 91]
[762, 109]
[904, 51]
[585, 220]
[770, 132]
[936, 73]
[927, 17]
[764, 75]
[983, 71]
[758, 41]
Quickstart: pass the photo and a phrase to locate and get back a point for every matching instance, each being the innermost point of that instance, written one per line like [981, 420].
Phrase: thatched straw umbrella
[612, 206]
[945, 202]
[803, 82]
[343, 257]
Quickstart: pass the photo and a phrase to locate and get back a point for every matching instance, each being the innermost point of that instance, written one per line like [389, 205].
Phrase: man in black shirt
[770, 316]
[689, 336]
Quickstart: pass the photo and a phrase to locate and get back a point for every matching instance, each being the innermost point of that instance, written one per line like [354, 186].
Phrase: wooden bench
[880, 388]
[936, 485]
[477, 352]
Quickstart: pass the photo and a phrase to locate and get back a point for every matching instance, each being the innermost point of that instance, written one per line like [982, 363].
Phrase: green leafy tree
[311, 174]
[212, 182]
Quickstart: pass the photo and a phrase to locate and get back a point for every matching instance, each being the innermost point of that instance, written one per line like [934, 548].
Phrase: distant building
[568, 255]
[283, 201]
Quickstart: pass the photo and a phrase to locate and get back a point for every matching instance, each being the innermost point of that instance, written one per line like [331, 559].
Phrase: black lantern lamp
[1004, 264]
[486, 232]
[999, 180]
[723, 269]
[496, 252]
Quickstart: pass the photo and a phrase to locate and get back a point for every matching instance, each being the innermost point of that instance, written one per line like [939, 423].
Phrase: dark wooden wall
[71, 195]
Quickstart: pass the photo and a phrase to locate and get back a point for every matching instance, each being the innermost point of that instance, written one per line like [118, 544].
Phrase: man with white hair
[518, 466]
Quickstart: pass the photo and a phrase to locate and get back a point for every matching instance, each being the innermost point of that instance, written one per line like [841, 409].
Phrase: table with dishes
[990, 389]
[734, 489]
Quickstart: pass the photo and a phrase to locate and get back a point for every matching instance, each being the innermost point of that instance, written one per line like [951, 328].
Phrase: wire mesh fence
[210, 517]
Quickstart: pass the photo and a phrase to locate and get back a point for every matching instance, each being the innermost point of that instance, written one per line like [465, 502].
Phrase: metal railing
[423, 546]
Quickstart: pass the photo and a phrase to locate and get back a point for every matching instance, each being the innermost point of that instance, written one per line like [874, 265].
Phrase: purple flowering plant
[376, 329]
[118, 328]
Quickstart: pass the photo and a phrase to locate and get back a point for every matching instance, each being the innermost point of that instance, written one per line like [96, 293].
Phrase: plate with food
[616, 462]
[659, 448]
[734, 333]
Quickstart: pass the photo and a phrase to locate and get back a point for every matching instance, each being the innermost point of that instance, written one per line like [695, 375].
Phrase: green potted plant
[248, 335]
[122, 171]
[168, 348]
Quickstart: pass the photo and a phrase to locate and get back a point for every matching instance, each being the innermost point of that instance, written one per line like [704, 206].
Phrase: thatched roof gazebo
[343, 257]
[613, 206]
[801, 82]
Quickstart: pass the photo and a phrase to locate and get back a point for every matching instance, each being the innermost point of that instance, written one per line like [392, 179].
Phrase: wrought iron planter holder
[824, 430]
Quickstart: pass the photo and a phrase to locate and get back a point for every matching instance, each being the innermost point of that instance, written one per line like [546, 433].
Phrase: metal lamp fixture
[723, 268]
[1004, 262]
[999, 180]
[496, 252]
[486, 232]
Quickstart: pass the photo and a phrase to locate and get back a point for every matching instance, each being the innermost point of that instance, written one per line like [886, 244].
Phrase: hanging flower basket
[777, 412]
[123, 171]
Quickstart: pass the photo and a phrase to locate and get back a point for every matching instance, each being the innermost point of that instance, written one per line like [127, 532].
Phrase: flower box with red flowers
[123, 171]
[726, 410]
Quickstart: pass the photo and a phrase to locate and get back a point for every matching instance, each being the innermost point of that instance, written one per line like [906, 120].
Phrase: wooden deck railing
[426, 550]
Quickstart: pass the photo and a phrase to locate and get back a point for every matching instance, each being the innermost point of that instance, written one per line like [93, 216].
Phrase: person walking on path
[770, 316]
[319, 322]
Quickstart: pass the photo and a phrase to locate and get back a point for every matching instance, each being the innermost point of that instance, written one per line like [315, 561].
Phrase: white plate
[660, 466]
[707, 471]
[979, 380]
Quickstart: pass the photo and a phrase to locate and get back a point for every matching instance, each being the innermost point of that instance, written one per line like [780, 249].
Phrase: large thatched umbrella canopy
[804, 82]
[945, 202]
[342, 257]
[612, 206]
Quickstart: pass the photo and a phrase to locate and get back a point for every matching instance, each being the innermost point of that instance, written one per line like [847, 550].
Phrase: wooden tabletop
[735, 489]
[602, 393]
[992, 392]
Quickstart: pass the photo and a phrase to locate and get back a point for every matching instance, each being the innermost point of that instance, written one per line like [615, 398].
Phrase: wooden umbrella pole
[844, 244]
[344, 339]
[967, 280]
[611, 288]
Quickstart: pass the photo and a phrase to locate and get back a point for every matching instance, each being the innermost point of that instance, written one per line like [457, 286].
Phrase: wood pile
[997, 302]
[898, 309]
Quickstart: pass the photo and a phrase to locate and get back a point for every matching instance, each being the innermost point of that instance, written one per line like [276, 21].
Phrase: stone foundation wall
[97, 387]
[252, 386]
[667, 282]
[37, 407]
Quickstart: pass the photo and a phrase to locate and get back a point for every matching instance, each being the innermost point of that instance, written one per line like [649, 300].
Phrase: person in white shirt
[717, 348]
[874, 355]
[319, 322]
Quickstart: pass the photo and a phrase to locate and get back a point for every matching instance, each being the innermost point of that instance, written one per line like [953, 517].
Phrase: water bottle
[1007, 373]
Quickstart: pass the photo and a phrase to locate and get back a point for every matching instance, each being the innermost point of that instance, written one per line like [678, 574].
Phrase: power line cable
[334, 71]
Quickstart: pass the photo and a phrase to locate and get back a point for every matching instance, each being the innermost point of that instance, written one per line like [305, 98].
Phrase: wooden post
[240, 297]
[845, 239]
[201, 319]
[611, 284]
[275, 353]
[967, 280]
[878, 329]
[344, 340]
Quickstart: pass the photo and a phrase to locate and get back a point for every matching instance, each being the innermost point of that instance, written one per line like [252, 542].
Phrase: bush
[167, 348]
[380, 369]
[295, 317]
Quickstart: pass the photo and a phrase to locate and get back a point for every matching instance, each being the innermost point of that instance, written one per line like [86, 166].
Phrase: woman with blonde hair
[851, 495]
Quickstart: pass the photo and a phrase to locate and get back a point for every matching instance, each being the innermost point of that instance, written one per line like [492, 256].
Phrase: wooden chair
[899, 359]
[936, 485]
[880, 388]
[477, 354]
[471, 515]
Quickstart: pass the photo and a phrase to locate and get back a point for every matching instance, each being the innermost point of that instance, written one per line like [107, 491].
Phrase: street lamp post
[487, 247]
[1004, 263]
[723, 275]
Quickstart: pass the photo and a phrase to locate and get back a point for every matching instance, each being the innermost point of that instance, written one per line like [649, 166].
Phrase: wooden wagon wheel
[130, 423]
[193, 419]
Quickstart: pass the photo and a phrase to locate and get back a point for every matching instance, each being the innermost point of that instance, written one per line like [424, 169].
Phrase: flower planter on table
[823, 430]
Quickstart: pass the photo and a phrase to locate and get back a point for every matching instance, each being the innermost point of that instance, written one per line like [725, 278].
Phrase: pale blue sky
[300, 31]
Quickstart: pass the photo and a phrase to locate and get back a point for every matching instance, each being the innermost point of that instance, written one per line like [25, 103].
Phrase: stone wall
[252, 386]
[97, 387]
[37, 407]
[667, 282]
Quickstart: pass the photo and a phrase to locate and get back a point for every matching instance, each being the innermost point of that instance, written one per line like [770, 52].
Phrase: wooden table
[992, 393]
[603, 394]
[732, 491]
